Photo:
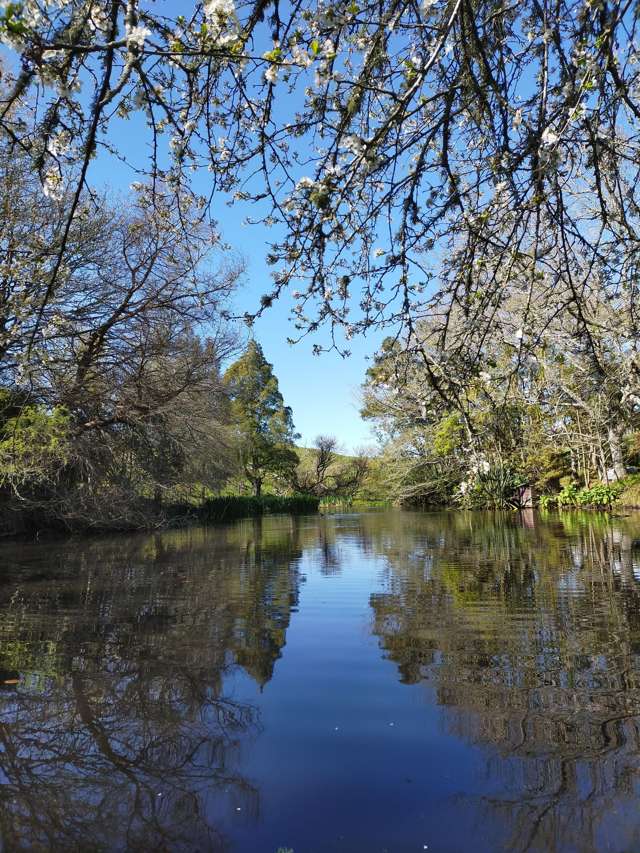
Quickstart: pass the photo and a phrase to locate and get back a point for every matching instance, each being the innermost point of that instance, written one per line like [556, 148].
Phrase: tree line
[566, 424]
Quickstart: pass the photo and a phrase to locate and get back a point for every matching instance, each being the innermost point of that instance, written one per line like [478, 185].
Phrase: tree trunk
[258, 486]
[614, 437]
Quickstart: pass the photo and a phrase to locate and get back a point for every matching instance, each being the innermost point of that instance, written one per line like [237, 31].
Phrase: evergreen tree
[264, 424]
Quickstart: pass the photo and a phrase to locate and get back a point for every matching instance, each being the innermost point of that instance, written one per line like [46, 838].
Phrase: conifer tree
[264, 425]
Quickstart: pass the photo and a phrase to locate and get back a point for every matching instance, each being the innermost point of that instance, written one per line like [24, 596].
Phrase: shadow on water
[126, 722]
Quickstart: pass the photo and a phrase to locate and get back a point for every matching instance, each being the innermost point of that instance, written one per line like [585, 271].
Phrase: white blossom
[136, 36]
[353, 143]
[215, 9]
[52, 185]
[300, 56]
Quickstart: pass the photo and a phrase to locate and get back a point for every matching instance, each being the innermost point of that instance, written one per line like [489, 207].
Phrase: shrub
[494, 486]
[598, 495]
[568, 495]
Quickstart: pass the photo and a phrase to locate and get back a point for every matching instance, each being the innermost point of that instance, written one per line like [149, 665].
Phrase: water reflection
[530, 639]
[155, 688]
[117, 734]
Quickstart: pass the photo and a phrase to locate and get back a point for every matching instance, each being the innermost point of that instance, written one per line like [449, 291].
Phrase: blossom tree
[417, 158]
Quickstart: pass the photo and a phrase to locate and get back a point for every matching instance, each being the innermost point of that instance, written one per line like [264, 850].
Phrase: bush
[568, 495]
[493, 487]
[599, 495]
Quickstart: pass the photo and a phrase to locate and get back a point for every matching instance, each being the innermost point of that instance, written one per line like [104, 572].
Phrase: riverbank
[148, 515]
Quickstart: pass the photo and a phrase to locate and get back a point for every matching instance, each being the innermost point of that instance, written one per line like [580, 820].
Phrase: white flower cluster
[480, 466]
[136, 36]
[299, 56]
[52, 185]
[216, 9]
[305, 183]
[353, 144]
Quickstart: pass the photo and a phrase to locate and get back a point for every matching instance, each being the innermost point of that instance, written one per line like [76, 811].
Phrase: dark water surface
[364, 682]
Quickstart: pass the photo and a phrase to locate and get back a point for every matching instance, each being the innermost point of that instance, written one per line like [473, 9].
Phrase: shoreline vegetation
[210, 511]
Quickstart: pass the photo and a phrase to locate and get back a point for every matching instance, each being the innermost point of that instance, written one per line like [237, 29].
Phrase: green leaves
[11, 19]
[34, 444]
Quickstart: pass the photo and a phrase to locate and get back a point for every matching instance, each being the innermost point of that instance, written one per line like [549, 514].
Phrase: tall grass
[243, 506]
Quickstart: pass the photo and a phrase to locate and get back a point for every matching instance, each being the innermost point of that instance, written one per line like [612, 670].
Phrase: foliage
[630, 495]
[564, 414]
[263, 424]
[110, 395]
[493, 486]
[34, 443]
[568, 496]
[448, 435]
[325, 472]
[598, 495]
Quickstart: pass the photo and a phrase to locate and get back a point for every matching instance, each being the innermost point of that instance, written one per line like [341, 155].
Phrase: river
[377, 681]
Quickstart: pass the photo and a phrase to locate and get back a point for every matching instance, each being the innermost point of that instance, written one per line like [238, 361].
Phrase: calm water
[364, 682]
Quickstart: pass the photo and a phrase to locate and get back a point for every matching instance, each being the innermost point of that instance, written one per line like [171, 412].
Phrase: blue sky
[322, 390]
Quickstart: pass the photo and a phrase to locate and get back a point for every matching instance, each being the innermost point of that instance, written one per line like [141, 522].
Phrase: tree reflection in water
[531, 641]
[118, 734]
[121, 726]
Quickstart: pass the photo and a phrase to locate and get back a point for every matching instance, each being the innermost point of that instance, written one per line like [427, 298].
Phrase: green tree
[264, 424]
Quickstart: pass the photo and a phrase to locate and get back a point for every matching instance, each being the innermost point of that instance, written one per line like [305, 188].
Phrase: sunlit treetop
[413, 157]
